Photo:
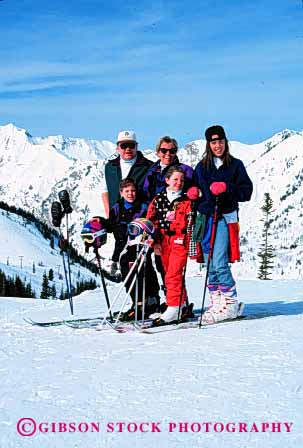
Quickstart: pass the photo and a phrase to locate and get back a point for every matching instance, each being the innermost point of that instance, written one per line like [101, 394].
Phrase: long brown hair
[207, 156]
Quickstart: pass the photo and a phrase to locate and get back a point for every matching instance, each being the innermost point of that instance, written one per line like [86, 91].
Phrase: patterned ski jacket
[158, 210]
[154, 181]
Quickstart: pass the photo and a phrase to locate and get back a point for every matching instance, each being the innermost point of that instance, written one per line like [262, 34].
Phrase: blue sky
[91, 68]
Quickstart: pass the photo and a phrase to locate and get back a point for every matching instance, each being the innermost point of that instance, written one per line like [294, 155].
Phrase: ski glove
[218, 187]
[193, 193]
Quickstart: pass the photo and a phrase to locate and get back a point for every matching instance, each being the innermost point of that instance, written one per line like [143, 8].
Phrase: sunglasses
[130, 145]
[171, 151]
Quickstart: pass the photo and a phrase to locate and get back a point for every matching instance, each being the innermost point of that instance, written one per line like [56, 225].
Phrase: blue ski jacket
[239, 186]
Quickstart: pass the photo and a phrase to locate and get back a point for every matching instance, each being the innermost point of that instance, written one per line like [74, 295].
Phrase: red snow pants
[174, 254]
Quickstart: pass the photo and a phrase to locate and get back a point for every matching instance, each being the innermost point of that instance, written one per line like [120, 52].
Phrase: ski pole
[69, 293]
[189, 232]
[157, 267]
[122, 286]
[182, 291]
[103, 283]
[144, 285]
[57, 214]
[130, 287]
[210, 255]
[67, 208]
[68, 255]
[137, 286]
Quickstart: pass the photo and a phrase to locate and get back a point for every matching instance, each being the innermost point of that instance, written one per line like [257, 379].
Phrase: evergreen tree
[266, 252]
[14, 287]
[9, 288]
[34, 268]
[51, 275]
[53, 292]
[2, 284]
[28, 291]
[19, 287]
[61, 297]
[45, 288]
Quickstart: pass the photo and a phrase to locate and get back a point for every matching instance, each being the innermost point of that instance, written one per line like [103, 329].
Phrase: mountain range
[34, 169]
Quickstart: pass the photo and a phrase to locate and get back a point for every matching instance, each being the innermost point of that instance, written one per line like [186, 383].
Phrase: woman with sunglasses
[154, 182]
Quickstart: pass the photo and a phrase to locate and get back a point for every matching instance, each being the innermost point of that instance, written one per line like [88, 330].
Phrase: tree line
[48, 290]
[15, 287]
[50, 234]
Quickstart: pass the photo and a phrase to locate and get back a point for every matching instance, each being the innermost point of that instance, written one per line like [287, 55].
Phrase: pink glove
[193, 193]
[218, 187]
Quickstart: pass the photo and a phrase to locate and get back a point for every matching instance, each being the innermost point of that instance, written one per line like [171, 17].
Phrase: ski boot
[169, 316]
[223, 307]
[187, 312]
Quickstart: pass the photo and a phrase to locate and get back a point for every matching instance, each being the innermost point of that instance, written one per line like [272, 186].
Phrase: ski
[123, 327]
[195, 324]
[55, 323]
[101, 324]
[120, 327]
[86, 322]
[80, 325]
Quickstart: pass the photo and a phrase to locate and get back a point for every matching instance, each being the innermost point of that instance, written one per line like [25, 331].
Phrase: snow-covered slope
[243, 378]
[26, 253]
[34, 169]
[279, 171]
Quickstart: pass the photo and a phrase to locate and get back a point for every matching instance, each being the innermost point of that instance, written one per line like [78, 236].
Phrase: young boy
[170, 212]
[127, 209]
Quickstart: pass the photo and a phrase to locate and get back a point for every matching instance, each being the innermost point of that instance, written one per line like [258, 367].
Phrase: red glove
[218, 187]
[193, 193]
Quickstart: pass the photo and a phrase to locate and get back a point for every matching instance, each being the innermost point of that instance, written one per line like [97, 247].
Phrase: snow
[242, 373]
[247, 371]
[21, 242]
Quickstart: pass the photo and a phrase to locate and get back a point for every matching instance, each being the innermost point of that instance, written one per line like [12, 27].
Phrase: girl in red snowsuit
[170, 212]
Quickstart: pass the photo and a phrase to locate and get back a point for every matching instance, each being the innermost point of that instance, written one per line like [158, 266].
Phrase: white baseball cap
[126, 136]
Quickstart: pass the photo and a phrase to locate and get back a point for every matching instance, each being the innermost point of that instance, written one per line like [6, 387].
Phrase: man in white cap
[129, 163]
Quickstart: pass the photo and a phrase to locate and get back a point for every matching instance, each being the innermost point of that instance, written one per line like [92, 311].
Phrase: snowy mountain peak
[34, 169]
[278, 138]
[10, 128]
[14, 140]
[10, 131]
